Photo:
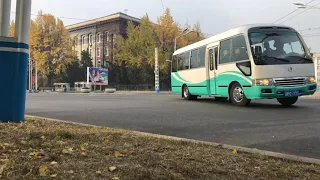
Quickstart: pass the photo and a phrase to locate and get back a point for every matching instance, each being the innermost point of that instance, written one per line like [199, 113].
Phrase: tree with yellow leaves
[137, 51]
[50, 46]
[12, 29]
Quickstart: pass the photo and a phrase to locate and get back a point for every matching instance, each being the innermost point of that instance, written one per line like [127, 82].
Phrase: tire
[237, 95]
[287, 101]
[221, 99]
[186, 94]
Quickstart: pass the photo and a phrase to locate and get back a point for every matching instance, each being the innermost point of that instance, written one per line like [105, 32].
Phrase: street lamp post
[181, 34]
[304, 6]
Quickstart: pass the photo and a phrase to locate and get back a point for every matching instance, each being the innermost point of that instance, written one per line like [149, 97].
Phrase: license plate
[291, 93]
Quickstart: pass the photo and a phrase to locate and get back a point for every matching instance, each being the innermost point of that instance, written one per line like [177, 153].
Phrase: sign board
[97, 76]
[33, 79]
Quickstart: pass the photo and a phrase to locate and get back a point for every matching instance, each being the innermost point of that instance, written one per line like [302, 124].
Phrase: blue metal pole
[14, 54]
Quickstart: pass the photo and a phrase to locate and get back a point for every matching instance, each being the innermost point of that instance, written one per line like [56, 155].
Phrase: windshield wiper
[276, 58]
[304, 59]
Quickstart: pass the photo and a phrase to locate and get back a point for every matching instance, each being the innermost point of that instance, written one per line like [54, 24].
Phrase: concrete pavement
[264, 125]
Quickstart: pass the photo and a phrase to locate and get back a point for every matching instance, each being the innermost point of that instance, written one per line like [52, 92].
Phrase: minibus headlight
[310, 80]
[262, 82]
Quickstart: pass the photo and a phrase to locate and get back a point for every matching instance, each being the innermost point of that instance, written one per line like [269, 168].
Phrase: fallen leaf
[125, 151]
[61, 142]
[6, 144]
[126, 145]
[177, 175]
[43, 137]
[23, 142]
[53, 163]
[83, 154]
[115, 178]
[117, 154]
[58, 137]
[112, 168]
[43, 170]
[106, 141]
[98, 172]
[67, 151]
[34, 155]
[235, 151]
[70, 172]
[83, 146]
[4, 165]
[54, 175]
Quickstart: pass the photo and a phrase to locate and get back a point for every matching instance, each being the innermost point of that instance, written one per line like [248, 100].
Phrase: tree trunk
[49, 82]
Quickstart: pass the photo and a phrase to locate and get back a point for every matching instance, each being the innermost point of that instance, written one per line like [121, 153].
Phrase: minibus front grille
[290, 82]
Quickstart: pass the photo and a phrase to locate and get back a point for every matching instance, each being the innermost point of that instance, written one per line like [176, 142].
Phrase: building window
[90, 52]
[98, 38]
[107, 51]
[90, 39]
[83, 40]
[107, 36]
[114, 38]
[98, 52]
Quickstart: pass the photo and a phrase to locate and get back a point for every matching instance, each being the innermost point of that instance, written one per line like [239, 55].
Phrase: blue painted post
[156, 72]
[14, 56]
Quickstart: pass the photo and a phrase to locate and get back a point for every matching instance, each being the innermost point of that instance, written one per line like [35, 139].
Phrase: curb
[225, 146]
[108, 93]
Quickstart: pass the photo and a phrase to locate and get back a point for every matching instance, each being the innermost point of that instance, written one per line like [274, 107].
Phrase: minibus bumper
[269, 92]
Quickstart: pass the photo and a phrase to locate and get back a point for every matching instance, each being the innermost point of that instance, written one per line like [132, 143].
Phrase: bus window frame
[247, 46]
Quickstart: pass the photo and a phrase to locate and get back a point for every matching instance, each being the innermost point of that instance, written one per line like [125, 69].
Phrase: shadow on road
[254, 104]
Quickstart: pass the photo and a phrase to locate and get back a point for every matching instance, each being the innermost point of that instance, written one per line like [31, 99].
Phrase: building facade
[98, 36]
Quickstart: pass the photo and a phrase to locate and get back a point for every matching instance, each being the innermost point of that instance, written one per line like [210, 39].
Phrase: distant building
[98, 36]
[316, 60]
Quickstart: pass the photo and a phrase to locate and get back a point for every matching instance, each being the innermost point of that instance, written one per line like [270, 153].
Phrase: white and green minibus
[260, 61]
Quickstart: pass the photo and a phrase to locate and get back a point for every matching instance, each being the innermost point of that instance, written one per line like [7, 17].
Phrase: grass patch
[39, 149]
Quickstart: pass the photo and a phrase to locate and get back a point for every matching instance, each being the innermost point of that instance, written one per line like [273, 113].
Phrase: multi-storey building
[98, 36]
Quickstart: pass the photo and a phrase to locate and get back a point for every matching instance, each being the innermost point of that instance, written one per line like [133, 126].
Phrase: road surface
[263, 125]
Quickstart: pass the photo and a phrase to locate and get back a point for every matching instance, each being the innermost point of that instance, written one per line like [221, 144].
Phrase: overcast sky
[214, 15]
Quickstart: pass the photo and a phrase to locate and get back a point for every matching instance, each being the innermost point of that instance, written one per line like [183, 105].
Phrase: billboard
[97, 76]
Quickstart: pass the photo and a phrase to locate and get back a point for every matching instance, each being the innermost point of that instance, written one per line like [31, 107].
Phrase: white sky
[214, 15]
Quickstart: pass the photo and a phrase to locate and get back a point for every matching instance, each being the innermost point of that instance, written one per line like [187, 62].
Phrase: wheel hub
[238, 94]
[185, 92]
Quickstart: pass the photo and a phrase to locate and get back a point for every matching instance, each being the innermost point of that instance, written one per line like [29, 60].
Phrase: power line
[300, 13]
[316, 35]
[309, 35]
[310, 29]
[292, 12]
[60, 17]
[72, 18]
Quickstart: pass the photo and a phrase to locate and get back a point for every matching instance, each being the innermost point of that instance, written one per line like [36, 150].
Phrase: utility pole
[156, 71]
[36, 78]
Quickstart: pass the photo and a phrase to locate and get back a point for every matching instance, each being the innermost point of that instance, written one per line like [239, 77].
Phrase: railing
[140, 87]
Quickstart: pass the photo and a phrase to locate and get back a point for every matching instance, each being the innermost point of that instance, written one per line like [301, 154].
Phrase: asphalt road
[263, 125]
